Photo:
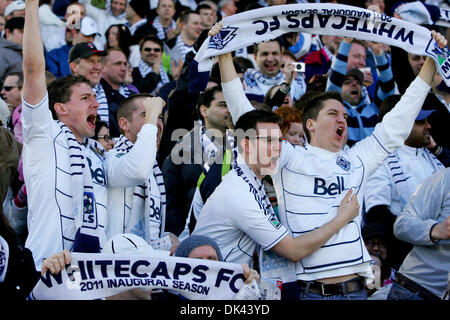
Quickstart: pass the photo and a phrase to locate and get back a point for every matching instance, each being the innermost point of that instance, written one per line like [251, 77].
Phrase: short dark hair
[360, 42]
[60, 90]
[312, 102]
[206, 98]
[152, 38]
[99, 124]
[127, 106]
[255, 46]
[203, 6]
[15, 23]
[184, 15]
[248, 123]
[19, 75]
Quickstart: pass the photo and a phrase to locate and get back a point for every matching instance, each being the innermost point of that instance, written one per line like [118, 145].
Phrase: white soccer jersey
[310, 183]
[51, 222]
[413, 164]
[121, 207]
[233, 217]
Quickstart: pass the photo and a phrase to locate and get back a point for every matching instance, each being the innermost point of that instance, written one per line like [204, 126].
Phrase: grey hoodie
[10, 58]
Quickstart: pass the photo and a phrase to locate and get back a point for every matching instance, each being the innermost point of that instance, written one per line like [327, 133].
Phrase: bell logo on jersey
[321, 188]
[97, 172]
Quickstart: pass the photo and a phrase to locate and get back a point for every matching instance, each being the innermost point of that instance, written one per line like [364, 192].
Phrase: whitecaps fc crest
[343, 163]
[220, 40]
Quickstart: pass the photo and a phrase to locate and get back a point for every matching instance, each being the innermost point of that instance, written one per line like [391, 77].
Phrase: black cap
[357, 74]
[374, 229]
[84, 50]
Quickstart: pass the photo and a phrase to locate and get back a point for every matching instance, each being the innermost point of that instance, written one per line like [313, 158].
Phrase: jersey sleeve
[378, 189]
[237, 101]
[132, 168]
[424, 209]
[265, 230]
[36, 120]
[396, 126]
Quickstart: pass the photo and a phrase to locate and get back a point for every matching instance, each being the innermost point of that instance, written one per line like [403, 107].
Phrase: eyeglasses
[8, 88]
[269, 139]
[152, 49]
[105, 137]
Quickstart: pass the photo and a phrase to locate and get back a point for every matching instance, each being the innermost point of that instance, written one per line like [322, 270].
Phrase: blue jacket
[362, 118]
[57, 61]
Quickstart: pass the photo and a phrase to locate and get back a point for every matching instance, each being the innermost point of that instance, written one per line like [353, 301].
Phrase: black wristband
[431, 230]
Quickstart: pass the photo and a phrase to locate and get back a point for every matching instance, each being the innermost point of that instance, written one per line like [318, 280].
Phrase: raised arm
[396, 125]
[235, 97]
[34, 88]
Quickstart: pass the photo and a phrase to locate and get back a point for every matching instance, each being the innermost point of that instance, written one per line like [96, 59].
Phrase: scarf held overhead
[255, 26]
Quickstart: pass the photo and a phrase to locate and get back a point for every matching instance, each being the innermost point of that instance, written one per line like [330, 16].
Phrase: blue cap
[423, 114]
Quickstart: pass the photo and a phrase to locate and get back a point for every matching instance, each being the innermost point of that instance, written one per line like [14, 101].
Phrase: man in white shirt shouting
[67, 178]
[311, 181]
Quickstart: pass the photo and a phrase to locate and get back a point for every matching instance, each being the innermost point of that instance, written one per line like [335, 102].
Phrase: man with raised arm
[310, 181]
[67, 178]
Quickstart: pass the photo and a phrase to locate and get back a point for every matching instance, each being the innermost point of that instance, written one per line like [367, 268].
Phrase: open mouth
[340, 131]
[270, 67]
[91, 120]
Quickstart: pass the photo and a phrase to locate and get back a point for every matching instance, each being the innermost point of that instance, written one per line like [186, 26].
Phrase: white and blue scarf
[103, 109]
[255, 26]
[182, 47]
[145, 69]
[87, 238]
[100, 96]
[161, 30]
[258, 83]
[95, 276]
[143, 218]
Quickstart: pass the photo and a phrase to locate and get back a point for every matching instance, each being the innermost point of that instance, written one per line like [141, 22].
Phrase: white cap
[4, 112]
[88, 26]
[13, 6]
[127, 243]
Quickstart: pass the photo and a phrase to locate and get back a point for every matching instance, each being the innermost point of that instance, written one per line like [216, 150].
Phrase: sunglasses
[105, 137]
[152, 49]
[8, 88]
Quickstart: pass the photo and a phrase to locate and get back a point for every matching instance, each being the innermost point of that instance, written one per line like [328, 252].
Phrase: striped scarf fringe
[161, 30]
